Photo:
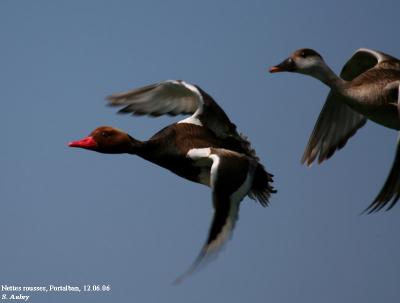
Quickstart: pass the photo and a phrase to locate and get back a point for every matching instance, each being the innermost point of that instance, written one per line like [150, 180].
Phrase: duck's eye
[105, 134]
[303, 54]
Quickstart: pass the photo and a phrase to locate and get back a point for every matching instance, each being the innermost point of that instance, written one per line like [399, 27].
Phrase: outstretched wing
[175, 97]
[230, 179]
[167, 97]
[390, 192]
[363, 60]
[336, 123]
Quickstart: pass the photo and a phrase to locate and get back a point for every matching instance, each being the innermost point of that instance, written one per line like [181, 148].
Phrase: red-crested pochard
[204, 148]
[368, 87]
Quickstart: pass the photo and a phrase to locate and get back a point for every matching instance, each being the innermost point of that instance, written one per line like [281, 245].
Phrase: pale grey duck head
[305, 61]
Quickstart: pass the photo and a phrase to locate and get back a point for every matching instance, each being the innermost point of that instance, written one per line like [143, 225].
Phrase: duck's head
[305, 61]
[107, 140]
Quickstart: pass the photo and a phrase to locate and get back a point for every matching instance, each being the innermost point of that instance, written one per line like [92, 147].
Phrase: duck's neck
[328, 77]
[144, 149]
[137, 147]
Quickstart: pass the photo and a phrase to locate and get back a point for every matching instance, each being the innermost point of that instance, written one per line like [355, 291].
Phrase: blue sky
[77, 217]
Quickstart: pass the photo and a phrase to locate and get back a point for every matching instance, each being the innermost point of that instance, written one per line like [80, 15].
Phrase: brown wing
[363, 60]
[336, 123]
[174, 97]
[390, 192]
[230, 182]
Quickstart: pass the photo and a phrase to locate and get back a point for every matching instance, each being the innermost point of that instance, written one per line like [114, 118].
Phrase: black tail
[262, 188]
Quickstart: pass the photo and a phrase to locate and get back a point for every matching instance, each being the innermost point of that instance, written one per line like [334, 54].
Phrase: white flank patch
[198, 153]
[204, 159]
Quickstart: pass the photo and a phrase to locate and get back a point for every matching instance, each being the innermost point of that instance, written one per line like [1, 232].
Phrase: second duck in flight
[368, 87]
[204, 148]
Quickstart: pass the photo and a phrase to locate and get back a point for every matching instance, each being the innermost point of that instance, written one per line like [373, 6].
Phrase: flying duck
[368, 88]
[204, 148]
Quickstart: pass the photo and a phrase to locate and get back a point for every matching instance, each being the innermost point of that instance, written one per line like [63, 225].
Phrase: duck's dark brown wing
[230, 178]
[174, 97]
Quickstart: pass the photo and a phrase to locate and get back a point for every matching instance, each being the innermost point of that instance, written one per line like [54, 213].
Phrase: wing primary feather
[390, 192]
[336, 123]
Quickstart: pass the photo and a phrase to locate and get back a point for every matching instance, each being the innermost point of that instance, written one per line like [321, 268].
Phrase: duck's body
[169, 148]
[204, 148]
[366, 94]
[368, 88]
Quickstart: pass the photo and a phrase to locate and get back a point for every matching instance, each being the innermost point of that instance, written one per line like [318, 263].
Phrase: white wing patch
[235, 200]
[201, 156]
[221, 163]
[205, 158]
[194, 119]
[199, 153]
[214, 169]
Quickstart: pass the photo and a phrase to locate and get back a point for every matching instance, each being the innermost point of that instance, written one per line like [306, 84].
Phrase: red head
[106, 140]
